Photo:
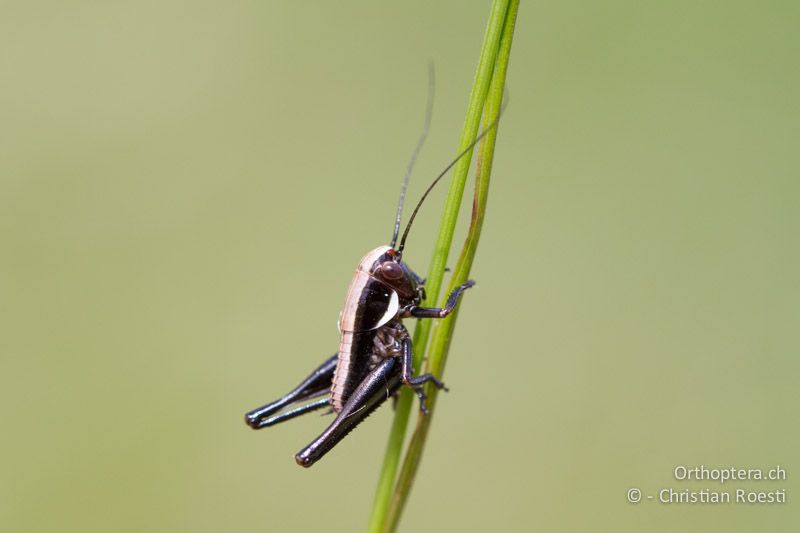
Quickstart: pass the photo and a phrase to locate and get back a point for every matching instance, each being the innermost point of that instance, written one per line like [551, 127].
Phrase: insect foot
[423, 407]
[416, 384]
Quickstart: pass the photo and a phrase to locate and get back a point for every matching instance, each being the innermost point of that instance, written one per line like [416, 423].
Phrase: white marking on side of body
[391, 311]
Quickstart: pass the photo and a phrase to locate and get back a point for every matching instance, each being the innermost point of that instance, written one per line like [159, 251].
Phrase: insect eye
[391, 270]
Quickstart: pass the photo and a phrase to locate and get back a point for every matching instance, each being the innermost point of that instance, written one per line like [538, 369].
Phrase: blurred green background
[186, 188]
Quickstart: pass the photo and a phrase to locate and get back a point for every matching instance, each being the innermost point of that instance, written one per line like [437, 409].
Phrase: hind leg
[314, 386]
[381, 383]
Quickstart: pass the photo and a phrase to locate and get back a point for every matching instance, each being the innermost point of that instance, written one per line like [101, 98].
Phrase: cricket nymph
[375, 353]
[382, 289]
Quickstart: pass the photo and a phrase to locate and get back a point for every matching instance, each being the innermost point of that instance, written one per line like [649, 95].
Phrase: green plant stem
[440, 343]
[489, 80]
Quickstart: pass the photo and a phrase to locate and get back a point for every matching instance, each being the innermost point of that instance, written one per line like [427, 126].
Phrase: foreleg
[439, 312]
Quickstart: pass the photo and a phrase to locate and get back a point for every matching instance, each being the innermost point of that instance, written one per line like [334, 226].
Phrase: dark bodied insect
[375, 353]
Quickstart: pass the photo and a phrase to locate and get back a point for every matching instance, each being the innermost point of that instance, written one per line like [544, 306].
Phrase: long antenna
[417, 149]
[440, 176]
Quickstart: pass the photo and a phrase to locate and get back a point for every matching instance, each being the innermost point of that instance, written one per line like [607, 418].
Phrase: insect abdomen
[355, 354]
[369, 305]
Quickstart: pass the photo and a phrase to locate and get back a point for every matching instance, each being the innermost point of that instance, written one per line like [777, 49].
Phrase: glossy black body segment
[374, 302]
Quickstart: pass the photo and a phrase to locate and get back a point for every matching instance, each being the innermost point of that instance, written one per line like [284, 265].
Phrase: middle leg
[416, 383]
